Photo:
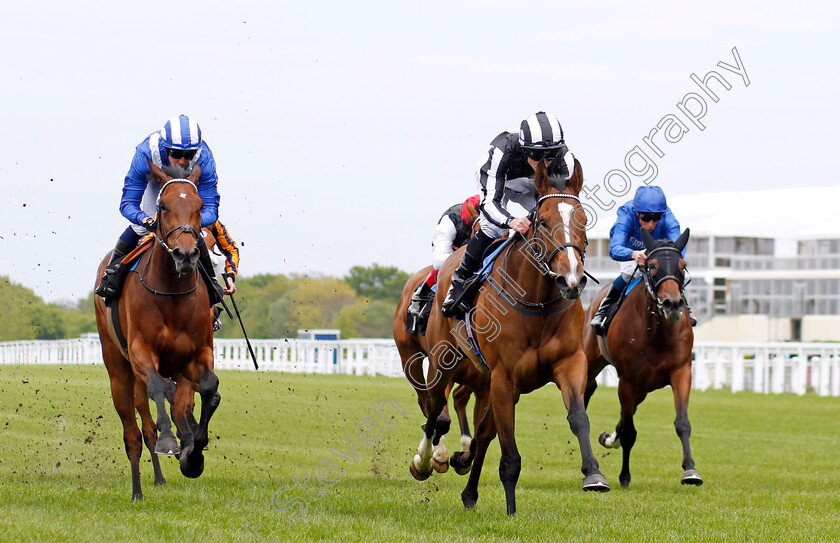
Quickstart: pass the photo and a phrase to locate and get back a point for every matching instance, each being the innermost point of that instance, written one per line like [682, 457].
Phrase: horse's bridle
[161, 235]
[536, 249]
[652, 282]
[189, 229]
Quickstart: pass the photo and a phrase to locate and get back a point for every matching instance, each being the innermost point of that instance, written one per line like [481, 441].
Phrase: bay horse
[413, 348]
[165, 317]
[527, 324]
[649, 343]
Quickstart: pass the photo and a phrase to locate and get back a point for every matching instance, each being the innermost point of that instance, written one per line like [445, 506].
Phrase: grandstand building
[764, 265]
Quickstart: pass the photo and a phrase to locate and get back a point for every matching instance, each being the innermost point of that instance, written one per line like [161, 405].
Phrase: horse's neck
[537, 286]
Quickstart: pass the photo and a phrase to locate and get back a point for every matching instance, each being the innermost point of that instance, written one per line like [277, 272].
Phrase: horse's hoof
[192, 462]
[469, 498]
[605, 440]
[417, 474]
[440, 466]
[596, 482]
[457, 462]
[691, 477]
[625, 481]
[167, 446]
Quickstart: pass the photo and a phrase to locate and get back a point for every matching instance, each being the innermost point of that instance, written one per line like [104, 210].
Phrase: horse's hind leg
[440, 457]
[681, 385]
[484, 434]
[141, 403]
[460, 398]
[158, 388]
[122, 392]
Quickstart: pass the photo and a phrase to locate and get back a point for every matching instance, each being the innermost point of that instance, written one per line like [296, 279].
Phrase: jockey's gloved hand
[149, 223]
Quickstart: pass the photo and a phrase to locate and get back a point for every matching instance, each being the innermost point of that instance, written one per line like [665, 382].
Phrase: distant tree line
[361, 304]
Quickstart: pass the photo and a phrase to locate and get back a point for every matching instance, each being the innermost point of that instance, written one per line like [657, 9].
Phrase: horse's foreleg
[681, 385]
[484, 434]
[141, 403]
[122, 393]
[626, 430]
[503, 401]
[192, 459]
[570, 377]
[157, 388]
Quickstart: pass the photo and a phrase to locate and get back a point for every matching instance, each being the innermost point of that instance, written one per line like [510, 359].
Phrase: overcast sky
[342, 130]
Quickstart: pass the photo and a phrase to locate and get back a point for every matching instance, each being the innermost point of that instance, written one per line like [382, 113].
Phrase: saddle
[111, 309]
[612, 311]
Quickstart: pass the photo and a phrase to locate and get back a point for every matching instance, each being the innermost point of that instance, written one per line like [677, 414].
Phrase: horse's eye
[162, 207]
[543, 223]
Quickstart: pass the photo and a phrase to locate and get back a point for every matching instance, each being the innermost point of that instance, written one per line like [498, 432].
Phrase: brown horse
[649, 343]
[165, 318]
[527, 323]
[413, 348]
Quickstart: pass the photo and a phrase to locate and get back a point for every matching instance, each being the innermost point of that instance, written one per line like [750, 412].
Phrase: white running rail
[759, 367]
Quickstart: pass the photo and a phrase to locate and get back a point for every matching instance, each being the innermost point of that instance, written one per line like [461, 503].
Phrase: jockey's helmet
[181, 132]
[541, 131]
[649, 199]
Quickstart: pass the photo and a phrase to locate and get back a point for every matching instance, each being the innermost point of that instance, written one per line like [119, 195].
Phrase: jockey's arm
[133, 189]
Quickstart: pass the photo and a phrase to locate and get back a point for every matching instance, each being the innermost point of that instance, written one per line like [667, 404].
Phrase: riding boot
[217, 322]
[421, 294]
[213, 287]
[112, 279]
[601, 315]
[470, 263]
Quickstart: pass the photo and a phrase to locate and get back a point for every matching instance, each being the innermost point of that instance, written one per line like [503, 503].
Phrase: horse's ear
[195, 174]
[683, 239]
[576, 181]
[159, 174]
[541, 178]
[648, 239]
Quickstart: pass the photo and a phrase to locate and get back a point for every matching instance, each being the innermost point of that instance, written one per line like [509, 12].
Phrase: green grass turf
[769, 462]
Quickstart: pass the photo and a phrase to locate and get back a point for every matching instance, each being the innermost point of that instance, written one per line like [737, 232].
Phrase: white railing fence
[759, 367]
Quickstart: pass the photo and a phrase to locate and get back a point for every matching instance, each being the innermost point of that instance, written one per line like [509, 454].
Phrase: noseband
[536, 249]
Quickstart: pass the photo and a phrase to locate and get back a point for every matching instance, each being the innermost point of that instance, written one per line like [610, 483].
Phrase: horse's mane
[176, 171]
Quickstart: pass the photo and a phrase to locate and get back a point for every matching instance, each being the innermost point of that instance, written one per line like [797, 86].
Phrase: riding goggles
[178, 154]
[648, 217]
[539, 154]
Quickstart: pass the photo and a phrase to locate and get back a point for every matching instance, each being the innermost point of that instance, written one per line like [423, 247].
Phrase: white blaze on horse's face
[567, 212]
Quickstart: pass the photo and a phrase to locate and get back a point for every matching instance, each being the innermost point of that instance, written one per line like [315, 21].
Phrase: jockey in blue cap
[648, 210]
[178, 148]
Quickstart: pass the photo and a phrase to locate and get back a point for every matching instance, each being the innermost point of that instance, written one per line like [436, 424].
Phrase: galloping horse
[413, 348]
[649, 343]
[528, 329]
[165, 318]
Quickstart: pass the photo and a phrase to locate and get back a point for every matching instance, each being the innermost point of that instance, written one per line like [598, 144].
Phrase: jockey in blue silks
[648, 210]
[177, 144]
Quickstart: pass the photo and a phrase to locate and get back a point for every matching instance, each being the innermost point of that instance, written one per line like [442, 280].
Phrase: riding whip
[247, 341]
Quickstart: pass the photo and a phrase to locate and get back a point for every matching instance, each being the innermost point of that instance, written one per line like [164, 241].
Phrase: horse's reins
[543, 263]
[161, 238]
